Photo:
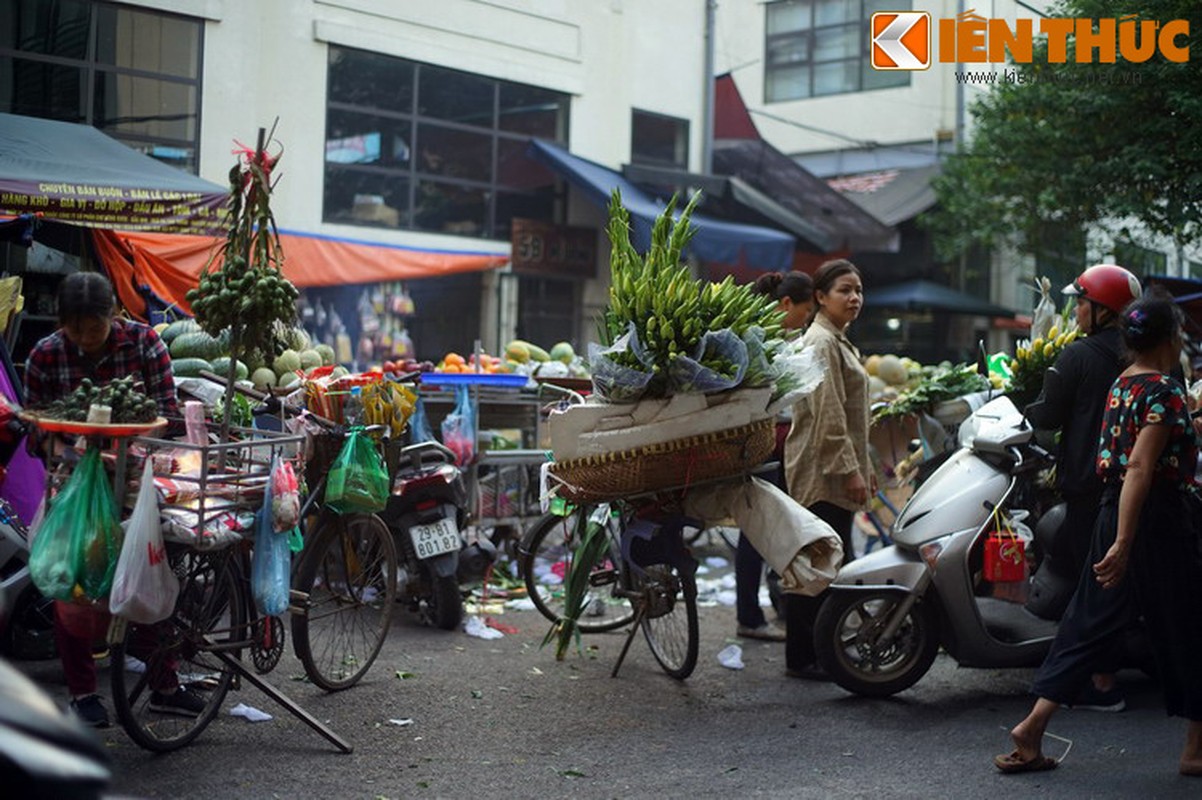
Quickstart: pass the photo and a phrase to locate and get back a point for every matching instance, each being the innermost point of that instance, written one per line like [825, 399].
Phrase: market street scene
[797, 398]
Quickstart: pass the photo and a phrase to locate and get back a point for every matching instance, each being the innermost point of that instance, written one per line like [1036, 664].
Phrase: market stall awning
[77, 175]
[714, 241]
[168, 265]
[844, 224]
[893, 195]
[923, 295]
[732, 198]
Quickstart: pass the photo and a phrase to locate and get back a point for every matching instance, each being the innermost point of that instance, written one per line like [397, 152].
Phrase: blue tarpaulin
[715, 240]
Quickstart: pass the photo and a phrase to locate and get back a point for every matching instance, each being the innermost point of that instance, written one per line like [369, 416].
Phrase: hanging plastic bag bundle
[285, 496]
[144, 586]
[419, 425]
[358, 480]
[459, 428]
[271, 564]
[620, 372]
[98, 543]
[80, 539]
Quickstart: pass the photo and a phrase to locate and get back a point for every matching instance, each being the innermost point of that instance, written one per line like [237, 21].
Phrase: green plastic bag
[79, 541]
[358, 480]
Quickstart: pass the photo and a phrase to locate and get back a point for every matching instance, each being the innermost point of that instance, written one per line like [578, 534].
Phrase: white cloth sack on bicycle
[797, 544]
[144, 587]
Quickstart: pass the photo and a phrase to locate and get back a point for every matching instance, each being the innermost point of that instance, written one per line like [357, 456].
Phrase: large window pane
[836, 77]
[454, 153]
[147, 42]
[36, 89]
[792, 15]
[516, 171]
[447, 208]
[180, 157]
[656, 139]
[456, 96]
[789, 83]
[536, 112]
[790, 50]
[835, 43]
[145, 106]
[358, 138]
[819, 47]
[368, 79]
[47, 27]
[365, 197]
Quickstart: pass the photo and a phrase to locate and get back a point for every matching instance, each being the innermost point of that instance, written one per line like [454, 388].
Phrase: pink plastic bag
[285, 496]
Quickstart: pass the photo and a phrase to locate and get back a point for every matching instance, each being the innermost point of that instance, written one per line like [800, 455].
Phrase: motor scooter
[888, 613]
[427, 514]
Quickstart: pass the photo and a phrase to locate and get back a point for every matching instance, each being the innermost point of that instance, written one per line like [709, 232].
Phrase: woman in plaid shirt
[93, 343]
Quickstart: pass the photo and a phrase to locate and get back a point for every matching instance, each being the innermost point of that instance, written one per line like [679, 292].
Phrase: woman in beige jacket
[826, 453]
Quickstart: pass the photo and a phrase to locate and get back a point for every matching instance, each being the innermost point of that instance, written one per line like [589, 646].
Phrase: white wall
[267, 59]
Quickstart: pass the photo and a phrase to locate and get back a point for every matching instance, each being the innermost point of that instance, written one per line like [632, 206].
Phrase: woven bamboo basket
[678, 463]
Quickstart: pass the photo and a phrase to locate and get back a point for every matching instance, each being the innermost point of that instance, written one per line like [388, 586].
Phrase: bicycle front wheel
[546, 558]
[151, 661]
[345, 590]
[668, 600]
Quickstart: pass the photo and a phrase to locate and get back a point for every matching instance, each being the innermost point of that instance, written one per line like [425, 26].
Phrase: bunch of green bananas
[671, 310]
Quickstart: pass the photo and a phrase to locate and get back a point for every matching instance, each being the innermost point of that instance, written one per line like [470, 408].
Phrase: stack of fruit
[193, 350]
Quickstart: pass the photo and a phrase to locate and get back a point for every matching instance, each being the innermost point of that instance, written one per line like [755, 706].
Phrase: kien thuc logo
[901, 40]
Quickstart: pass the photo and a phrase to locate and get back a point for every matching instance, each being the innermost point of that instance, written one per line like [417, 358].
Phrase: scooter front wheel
[851, 647]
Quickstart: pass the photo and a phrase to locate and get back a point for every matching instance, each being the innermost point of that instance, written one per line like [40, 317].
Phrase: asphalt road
[501, 718]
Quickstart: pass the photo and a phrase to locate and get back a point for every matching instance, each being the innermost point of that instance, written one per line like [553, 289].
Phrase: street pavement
[502, 718]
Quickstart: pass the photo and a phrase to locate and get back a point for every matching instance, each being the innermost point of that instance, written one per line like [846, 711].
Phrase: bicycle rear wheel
[347, 584]
[668, 598]
[210, 615]
[546, 553]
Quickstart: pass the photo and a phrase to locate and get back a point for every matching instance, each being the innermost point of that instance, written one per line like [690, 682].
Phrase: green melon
[310, 359]
[286, 362]
[221, 366]
[189, 367]
[327, 354]
[263, 378]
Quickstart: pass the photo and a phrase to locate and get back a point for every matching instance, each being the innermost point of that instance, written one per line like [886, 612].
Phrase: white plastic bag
[144, 587]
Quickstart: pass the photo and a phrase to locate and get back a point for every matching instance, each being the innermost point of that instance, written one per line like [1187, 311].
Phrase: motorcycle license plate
[435, 539]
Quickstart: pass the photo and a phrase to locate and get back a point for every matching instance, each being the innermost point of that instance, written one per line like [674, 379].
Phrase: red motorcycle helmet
[1108, 285]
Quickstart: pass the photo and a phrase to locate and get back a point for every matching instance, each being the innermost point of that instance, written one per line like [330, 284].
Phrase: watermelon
[221, 366]
[176, 328]
[195, 345]
[189, 367]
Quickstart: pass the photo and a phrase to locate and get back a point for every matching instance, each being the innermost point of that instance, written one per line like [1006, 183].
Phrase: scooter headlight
[931, 551]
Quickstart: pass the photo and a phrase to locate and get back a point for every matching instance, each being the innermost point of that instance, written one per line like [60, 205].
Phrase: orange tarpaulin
[169, 264]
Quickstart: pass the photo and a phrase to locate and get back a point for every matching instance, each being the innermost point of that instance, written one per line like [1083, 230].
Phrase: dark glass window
[820, 47]
[658, 140]
[455, 96]
[133, 73]
[370, 80]
[46, 27]
[361, 196]
[449, 145]
[1141, 260]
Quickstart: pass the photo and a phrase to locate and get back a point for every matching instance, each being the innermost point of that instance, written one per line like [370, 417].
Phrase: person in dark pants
[827, 467]
[1073, 401]
[794, 293]
[1144, 550]
[93, 343]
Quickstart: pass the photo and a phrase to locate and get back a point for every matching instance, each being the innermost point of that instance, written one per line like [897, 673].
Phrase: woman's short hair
[1149, 321]
[85, 294]
[797, 286]
[831, 271]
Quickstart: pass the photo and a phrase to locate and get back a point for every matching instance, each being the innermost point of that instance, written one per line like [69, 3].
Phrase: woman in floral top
[1145, 551]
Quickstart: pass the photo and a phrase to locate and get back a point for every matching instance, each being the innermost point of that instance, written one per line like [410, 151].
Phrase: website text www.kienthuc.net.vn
[1084, 77]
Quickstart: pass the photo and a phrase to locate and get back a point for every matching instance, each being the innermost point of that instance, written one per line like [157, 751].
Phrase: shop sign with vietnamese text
[540, 248]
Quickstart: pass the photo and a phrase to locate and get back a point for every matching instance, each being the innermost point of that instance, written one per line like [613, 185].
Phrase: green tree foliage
[1072, 144]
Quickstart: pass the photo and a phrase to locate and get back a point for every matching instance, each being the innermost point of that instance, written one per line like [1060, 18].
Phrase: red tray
[92, 428]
